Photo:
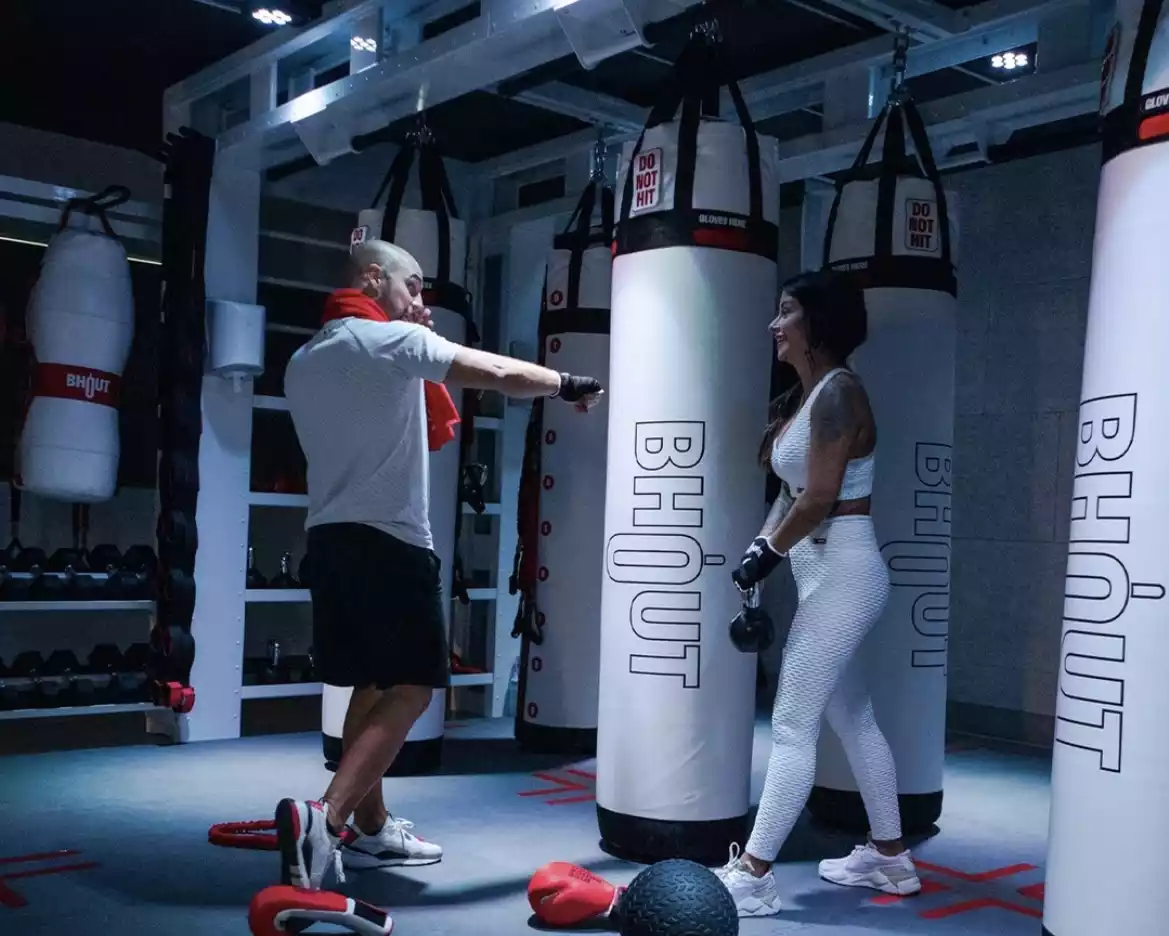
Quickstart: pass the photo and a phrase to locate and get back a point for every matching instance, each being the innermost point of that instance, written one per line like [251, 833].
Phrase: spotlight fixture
[363, 45]
[271, 17]
[1009, 61]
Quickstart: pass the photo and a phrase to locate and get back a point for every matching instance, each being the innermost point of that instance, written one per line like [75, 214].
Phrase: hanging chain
[708, 29]
[599, 154]
[421, 135]
[897, 90]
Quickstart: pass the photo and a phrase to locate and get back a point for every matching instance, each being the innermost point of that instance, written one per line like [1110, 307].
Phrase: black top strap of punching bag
[700, 72]
[925, 153]
[438, 199]
[396, 178]
[1132, 124]
[898, 116]
[96, 206]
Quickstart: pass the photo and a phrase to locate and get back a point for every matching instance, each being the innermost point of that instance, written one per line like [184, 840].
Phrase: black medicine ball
[677, 898]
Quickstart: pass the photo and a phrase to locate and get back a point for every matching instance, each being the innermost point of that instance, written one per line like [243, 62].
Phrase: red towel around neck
[441, 415]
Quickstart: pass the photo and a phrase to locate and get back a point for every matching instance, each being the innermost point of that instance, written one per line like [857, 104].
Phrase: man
[358, 394]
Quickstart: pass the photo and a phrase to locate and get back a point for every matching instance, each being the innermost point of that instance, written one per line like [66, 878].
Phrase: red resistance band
[73, 382]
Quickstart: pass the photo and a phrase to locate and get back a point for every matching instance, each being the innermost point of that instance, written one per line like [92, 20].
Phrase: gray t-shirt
[356, 398]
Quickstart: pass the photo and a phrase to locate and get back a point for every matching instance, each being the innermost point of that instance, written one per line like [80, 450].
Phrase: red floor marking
[977, 878]
[14, 900]
[928, 886]
[40, 856]
[562, 785]
[981, 903]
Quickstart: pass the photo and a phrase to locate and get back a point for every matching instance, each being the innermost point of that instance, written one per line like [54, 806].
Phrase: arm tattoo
[839, 411]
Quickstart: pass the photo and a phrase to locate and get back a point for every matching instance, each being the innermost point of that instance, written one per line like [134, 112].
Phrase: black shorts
[377, 609]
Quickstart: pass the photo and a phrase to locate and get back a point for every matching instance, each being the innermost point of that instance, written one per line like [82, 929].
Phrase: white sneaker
[307, 848]
[867, 867]
[753, 896]
[394, 846]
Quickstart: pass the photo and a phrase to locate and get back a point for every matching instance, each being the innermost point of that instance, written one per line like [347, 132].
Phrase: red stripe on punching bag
[722, 238]
[1154, 128]
[71, 382]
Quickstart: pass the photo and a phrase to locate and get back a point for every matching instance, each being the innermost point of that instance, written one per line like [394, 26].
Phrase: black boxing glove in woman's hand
[758, 562]
[581, 390]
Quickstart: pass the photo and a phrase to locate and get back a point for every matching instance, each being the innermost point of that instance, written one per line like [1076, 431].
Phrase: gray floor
[133, 822]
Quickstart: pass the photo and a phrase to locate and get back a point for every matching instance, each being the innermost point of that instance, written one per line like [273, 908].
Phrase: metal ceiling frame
[511, 37]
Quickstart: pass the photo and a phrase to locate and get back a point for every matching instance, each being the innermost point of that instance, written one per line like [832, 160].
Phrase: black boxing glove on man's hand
[758, 562]
[574, 389]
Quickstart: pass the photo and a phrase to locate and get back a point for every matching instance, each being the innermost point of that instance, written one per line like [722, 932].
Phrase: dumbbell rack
[26, 607]
[302, 595]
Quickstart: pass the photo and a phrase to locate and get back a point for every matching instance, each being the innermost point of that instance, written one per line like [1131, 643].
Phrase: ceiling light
[363, 45]
[271, 17]
[1009, 61]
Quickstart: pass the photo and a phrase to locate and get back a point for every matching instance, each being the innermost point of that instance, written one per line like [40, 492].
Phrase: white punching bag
[80, 322]
[564, 544]
[694, 287]
[1110, 767]
[894, 230]
[437, 239]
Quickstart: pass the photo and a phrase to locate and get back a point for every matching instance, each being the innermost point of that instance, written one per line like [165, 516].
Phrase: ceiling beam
[507, 39]
[925, 19]
[986, 115]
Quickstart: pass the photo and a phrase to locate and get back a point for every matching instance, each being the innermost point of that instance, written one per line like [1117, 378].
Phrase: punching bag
[80, 323]
[694, 287]
[437, 239]
[892, 226]
[1110, 764]
[560, 554]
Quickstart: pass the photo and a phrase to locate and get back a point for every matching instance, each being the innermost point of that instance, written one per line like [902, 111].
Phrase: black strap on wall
[884, 267]
[1141, 119]
[189, 158]
[578, 236]
[438, 199]
[700, 72]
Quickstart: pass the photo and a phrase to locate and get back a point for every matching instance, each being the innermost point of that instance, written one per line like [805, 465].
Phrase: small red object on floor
[257, 835]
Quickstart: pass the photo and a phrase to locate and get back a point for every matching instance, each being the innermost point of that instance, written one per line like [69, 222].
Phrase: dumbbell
[23, 569]
[25, 673]
[7, 691]
[131, 683]
[105, 558]
[283, 578]
[72, 582]
[55, 688]
[105, 661]
[299, 668]
[10, 694]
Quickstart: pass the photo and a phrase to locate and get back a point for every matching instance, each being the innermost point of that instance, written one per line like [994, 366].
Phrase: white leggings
[843, 587]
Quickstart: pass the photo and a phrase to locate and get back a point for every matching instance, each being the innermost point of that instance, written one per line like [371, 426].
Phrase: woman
[820, 443]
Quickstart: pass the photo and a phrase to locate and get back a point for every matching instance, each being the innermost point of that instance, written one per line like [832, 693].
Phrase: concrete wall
[1024, 271]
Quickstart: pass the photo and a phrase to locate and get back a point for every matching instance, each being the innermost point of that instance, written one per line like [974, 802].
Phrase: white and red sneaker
[307, 848]
[394, 846]
[867, 867]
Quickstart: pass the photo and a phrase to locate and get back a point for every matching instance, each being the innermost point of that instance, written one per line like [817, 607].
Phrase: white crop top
[789, 454]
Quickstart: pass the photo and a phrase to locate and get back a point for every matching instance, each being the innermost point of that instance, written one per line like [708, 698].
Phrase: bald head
[387, 274]
[390, 257]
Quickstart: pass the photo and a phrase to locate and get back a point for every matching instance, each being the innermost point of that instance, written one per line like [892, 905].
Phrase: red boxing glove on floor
[563, 894]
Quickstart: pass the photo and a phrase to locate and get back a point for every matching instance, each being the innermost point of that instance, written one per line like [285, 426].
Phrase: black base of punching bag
[843, 811]
[544, 739]
[1047, 932]
[417, 758]
[645, 841]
